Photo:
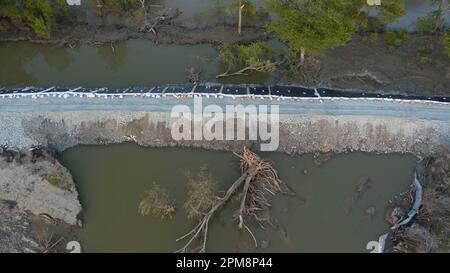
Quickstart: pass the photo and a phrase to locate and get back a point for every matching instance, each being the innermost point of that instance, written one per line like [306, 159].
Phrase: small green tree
[314, 26]
[390, 11]
[446, 42]
[9, 9]
[430, 23]
[39, 15]
[157, 202]
[201, 193]
[396, 38]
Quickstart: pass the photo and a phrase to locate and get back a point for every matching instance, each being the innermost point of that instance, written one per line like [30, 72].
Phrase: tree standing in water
[157, 202]
[244, 8]
[240, 8]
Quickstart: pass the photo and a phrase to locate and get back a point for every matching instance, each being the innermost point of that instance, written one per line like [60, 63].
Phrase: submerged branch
[203, 225]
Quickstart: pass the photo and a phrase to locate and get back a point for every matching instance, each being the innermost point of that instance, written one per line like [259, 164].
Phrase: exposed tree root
[258, 179]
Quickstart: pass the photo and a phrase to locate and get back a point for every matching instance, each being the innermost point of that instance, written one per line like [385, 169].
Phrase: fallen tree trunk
[258, 180]
[202, 228]
[241, 72]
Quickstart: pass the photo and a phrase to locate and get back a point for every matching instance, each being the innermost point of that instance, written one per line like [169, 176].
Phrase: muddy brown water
[111, 180]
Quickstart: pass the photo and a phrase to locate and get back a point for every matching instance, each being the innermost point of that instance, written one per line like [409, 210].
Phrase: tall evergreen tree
[312, 26]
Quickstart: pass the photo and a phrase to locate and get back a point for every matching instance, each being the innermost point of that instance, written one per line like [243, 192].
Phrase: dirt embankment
[418, 67]
[297, 134]
[36, 193]
[84, 33]
[34, 181]
[16, 232]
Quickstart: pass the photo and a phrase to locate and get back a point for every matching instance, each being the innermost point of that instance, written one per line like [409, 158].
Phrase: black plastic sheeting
[235, 90]
[240, 90]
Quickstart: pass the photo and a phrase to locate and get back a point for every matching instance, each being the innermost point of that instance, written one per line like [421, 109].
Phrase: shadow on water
[111, 180]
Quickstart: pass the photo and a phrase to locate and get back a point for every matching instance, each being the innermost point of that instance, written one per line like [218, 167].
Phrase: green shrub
[446, 42]
[51, 179]
[395, 38]
[201, 194]
[157, 202]
[257, 55]
[372, 38]
[430, 23]
[38, 15]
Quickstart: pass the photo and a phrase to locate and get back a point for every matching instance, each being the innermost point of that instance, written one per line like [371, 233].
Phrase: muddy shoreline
[83, 33]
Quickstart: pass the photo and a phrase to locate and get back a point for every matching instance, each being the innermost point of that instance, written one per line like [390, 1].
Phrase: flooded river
[120, 65]
[112, 179]
[135, 62]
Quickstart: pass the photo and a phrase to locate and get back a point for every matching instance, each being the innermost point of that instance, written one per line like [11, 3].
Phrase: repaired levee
[298, 134]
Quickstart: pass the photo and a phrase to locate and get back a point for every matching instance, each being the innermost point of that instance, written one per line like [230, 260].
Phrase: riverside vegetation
[306, 28]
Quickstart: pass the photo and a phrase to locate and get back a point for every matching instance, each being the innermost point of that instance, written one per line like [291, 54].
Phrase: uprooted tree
[259, 181]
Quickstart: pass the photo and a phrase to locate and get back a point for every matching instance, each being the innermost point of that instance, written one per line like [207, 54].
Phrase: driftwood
[193, 76]
[159, 21]
[245, 71]
[257, 180]
[242, 72]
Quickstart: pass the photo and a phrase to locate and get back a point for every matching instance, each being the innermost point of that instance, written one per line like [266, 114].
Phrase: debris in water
[370, 211]
[361, 187]
[395, 215]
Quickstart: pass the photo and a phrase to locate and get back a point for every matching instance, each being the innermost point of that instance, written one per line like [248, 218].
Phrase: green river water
[111, 181]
